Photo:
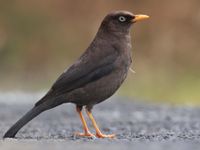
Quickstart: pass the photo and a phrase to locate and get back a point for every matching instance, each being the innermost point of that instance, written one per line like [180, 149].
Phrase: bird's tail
[35, 111]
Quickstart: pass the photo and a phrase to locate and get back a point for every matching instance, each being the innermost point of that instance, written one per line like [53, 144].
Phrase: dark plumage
[95, 76]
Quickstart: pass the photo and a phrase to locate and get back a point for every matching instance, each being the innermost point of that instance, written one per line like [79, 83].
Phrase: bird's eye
[122, 19]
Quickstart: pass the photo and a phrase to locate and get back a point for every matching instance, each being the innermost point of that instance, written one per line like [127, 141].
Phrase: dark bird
[95, 76]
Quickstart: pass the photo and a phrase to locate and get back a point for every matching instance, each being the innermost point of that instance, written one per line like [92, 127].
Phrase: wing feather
[83, 72]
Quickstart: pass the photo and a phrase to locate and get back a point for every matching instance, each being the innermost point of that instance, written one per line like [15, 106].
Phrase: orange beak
[140, 17]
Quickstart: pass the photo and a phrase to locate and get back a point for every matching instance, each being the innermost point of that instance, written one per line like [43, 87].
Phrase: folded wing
[83, 72]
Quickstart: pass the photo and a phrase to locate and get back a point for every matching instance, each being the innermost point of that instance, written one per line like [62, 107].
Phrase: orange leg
[86, 133]
[98, 132]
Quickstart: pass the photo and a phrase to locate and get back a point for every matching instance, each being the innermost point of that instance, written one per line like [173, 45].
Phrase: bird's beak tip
[140, 17]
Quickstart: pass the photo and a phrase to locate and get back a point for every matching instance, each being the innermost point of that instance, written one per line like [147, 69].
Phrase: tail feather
[35, 111]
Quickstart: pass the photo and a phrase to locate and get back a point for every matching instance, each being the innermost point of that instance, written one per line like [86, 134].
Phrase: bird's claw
[88, 134]
[100, 135]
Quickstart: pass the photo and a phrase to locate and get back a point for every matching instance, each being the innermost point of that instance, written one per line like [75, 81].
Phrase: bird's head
[120, 21]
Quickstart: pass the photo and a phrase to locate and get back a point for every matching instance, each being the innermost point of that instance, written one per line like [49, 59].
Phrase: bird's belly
[98, 90]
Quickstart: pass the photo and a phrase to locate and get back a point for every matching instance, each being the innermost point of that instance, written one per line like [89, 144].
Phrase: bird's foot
[86, 134]
[100, 135]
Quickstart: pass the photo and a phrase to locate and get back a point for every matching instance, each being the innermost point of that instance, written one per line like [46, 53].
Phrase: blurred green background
[39, 39]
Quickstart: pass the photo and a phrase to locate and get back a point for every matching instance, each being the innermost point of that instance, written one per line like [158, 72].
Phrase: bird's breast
[125, 58]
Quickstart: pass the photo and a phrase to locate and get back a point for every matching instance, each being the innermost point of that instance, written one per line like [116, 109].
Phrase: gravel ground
[136, 124]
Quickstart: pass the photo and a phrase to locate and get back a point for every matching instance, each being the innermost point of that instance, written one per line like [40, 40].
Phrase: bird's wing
[84, 71]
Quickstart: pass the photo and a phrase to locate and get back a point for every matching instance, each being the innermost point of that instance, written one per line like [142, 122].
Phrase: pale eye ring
[122, 19]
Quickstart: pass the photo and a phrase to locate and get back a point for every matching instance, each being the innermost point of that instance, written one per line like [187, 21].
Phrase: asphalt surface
[136, 124]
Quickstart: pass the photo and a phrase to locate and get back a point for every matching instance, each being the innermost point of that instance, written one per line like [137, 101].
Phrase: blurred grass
[164, 87]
